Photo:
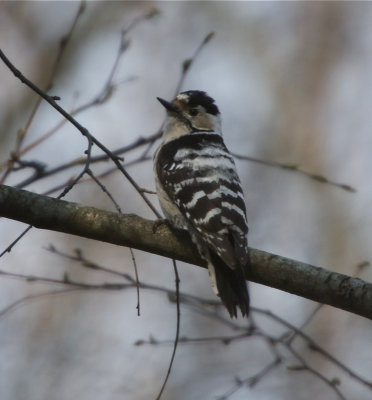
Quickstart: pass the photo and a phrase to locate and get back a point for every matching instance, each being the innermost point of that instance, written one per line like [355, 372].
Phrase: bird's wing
[212, 203]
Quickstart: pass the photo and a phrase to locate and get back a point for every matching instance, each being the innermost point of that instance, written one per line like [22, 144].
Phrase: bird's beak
[167, 105]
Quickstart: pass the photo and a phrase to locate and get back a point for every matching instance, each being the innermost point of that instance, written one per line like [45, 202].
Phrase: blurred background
[293, 83]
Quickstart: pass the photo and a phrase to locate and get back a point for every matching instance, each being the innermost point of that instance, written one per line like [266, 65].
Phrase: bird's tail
[230, 285]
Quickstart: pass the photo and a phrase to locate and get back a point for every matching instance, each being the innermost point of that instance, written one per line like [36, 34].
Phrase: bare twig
[32, 297]
[137, 281]
[295, 168]
[177, 336]
[8, 249]
[186, 65]
[252, 380]
[304, 366]
[103, 188]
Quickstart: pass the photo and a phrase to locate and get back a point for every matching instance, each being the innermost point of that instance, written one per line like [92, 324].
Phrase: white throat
[175, 128]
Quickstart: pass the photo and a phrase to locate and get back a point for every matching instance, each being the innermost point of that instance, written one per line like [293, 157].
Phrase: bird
[199, 191]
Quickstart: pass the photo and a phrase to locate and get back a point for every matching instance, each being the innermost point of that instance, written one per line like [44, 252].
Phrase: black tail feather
[231, 286]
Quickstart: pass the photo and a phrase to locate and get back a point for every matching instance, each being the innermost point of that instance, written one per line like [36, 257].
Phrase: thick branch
[315, 283]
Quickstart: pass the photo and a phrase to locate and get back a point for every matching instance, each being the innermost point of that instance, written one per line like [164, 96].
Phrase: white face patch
[184, 97]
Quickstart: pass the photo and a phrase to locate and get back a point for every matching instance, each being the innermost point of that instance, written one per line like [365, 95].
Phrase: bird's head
[190, 112]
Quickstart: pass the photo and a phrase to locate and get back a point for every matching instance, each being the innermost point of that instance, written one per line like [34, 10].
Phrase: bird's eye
[193, 112]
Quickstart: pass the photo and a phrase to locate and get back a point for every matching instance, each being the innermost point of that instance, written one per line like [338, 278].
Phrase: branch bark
[314, 283]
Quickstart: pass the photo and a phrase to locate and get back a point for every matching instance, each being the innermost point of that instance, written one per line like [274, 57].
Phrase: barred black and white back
[199, 190]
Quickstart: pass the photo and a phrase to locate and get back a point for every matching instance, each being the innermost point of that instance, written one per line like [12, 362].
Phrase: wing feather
[209, 198]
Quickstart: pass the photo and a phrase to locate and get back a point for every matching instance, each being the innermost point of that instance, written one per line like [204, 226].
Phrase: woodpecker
[199, 190]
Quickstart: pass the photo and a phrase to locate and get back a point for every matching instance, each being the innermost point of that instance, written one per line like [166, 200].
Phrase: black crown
[200, 98]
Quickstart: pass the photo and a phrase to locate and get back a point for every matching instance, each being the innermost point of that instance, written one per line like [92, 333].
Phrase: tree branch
[314, 283]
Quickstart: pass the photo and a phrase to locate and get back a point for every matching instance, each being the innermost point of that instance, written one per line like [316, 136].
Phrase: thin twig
[103, 188]
[84, 262]
[305, 366]
[137, 281]
[9, 248]
[186, 65]
[32, 297]
[295, 168]
[177, 336]
[252, 380]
